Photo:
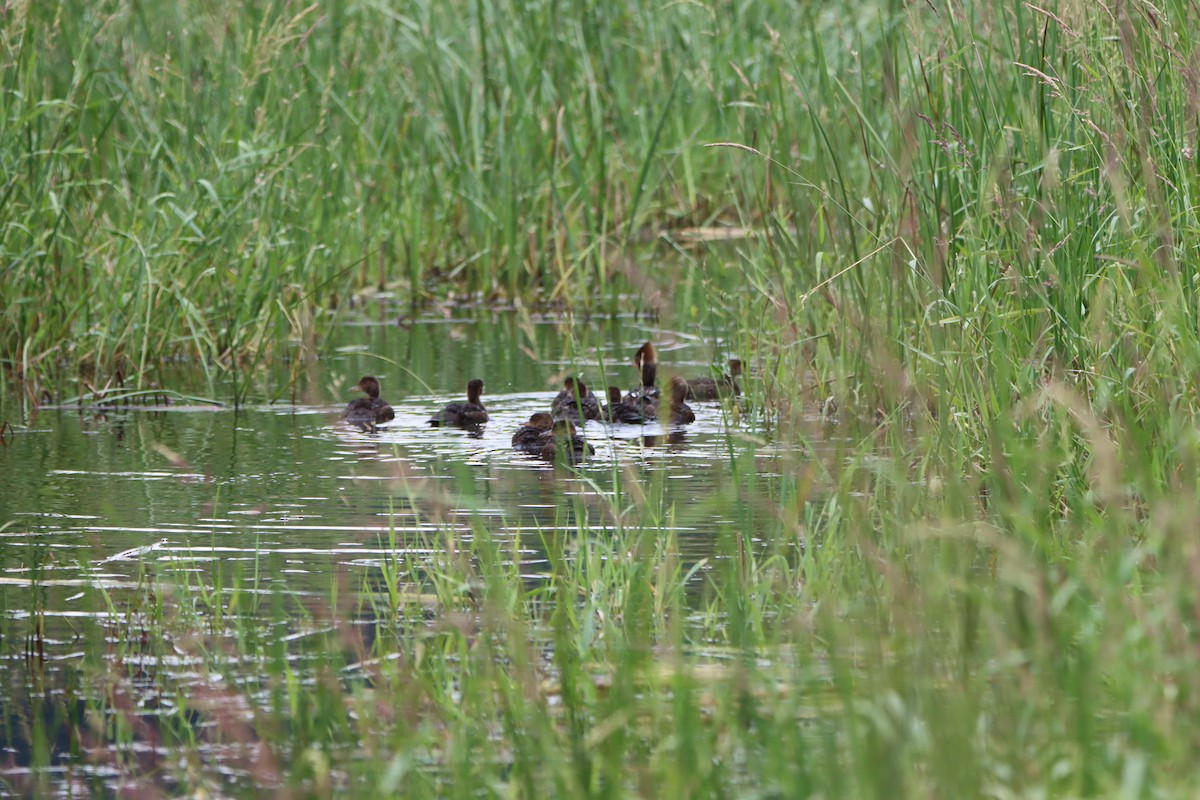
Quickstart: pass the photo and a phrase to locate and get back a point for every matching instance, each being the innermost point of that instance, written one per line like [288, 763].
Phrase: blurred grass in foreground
[980, 220]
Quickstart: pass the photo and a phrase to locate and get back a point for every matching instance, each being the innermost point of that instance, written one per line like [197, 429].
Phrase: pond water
[280, 492]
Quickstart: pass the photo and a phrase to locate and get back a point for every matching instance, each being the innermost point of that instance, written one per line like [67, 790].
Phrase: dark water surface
[280, 493]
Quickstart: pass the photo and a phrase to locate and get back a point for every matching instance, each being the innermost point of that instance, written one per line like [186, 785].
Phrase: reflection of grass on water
[980, 220]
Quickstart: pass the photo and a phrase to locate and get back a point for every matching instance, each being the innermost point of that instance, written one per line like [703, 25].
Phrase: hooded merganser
[680, 413]
[464, 415]
[575, 402]
[562, 442]
[528, 438]
[642, 402]
[707, 388]
[367, 412]
[646, 360]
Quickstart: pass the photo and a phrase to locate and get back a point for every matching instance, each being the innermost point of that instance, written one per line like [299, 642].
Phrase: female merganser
[642, 402]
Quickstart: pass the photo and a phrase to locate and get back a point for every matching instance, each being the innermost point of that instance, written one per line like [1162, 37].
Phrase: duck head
[646, 359]
[368, 384]
[574, 386]
[679, 390]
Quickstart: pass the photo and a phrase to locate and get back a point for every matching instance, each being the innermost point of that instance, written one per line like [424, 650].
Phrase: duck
[680, 413]
[575, 402]
[708, 388]
[562, 442]
[646, 360]
[528, 438]
[630, 409]
[367, 412]
[642, 402]
[463, 415]
[611, 411]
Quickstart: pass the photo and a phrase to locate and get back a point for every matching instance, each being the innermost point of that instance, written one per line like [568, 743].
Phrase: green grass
[839, 643]
[213, 180]
[981, 220]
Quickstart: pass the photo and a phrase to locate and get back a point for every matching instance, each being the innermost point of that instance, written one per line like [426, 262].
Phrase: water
[279, 495]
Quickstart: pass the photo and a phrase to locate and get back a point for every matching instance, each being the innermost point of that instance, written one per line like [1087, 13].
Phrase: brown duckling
[707, 388]
[464, 415]
[563, 443]
[528, 438]
[575, 402]
[367, 412]
[632, 409]
[680, 413]
[609, 412]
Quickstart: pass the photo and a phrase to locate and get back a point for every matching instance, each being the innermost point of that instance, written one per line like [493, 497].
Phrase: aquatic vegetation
[960, 239]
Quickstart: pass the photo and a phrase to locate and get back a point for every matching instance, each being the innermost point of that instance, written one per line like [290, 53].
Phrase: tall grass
[205, 180]
[839, 642]
[979, 219]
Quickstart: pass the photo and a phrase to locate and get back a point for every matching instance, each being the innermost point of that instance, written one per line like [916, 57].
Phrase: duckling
[706, 388]
[575, 402]
[528, 438]
[562, 442]
[367, 412]
[632, 409]
[680, 413]
[464, 415]
[610, 412]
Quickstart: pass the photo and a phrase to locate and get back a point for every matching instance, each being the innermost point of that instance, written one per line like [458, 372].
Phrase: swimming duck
[464, 415]
[646, 360]
[528, 438]
[562, 442]
[575, 402]
[680, 413]
[631, 409]
[367, 412]
[642, 402]
[706, 388]
[611, 411]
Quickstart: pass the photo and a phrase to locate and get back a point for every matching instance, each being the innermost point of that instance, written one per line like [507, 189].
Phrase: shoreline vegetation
[981, 220]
